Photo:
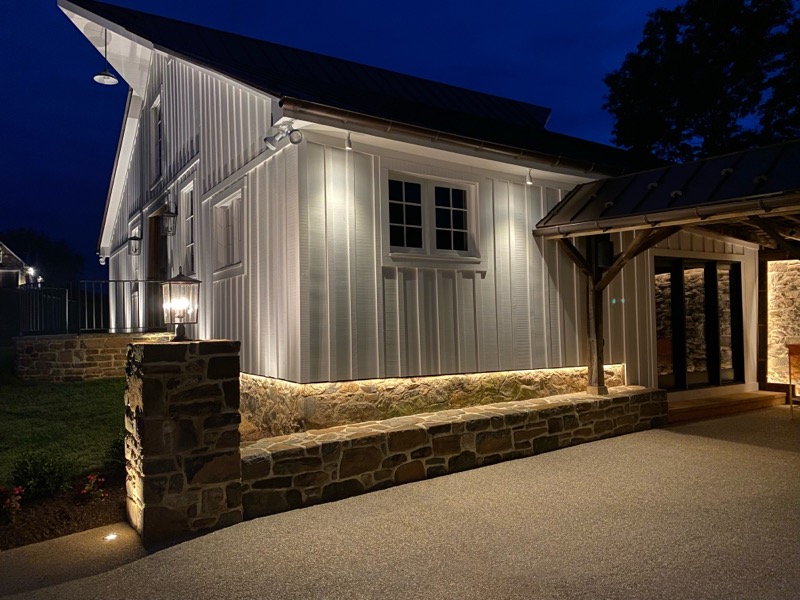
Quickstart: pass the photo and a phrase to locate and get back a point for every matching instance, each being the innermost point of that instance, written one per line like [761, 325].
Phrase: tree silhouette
[709, 77]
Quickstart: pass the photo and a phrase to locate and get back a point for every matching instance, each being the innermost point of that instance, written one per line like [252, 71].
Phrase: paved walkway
[704, 510]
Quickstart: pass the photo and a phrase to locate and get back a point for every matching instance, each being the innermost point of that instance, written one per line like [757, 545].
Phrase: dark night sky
[59, 129]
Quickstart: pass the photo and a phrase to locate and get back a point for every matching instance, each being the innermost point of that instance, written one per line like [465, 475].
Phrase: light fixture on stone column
[180, 296]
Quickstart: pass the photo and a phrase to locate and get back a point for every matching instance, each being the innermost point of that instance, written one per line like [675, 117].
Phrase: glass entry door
[699, 336]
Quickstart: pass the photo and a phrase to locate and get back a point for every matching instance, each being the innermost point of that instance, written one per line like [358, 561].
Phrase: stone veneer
[302, 469]
[182, 438]
[783, 316]
[280, 407]
[72, 357]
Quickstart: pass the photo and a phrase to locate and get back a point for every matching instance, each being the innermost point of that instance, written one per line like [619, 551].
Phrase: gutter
[341, 117]
[779, 202]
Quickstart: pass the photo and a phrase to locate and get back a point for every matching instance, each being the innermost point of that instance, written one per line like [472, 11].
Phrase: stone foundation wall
[76, 357]
[301, 469]
[280, 407]
[783, 317]
[182, 438]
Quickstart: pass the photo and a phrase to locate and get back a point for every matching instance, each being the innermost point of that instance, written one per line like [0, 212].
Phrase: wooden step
[680, 411]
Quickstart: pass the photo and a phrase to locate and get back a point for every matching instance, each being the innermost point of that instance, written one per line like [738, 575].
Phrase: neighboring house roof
[311, 78]
[9, 260]
[761, 181]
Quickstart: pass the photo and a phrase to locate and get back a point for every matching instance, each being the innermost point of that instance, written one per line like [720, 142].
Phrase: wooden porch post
[594, 323]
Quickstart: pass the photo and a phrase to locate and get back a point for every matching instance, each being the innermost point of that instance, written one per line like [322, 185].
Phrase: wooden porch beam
[576, 257]
[643, 241]
[791, 247]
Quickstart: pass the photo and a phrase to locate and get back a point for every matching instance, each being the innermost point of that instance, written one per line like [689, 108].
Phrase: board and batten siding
[259, 303]
[366, 314]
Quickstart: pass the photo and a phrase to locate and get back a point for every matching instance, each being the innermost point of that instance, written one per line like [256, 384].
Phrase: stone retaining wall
[280, 407]
[301, 469]
[76, 357]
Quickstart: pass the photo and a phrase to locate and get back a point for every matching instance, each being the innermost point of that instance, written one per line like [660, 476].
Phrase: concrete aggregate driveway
[704, 510]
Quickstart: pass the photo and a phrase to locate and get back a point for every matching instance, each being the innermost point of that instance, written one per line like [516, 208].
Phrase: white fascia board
[127, 137]
[129, 54]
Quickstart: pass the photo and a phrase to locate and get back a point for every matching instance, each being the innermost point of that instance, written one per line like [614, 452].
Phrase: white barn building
[381, 230]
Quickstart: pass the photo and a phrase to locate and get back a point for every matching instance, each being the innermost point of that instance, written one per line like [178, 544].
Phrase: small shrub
[9, 503]
[92, 490]
[41, 474]
[115, 455]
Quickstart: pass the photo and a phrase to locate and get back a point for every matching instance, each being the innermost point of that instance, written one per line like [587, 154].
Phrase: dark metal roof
[743, 183]
[286, 72]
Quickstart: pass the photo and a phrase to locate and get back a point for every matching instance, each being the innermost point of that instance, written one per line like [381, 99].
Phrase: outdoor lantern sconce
[134, 245]
[180, 297]
[169, 221]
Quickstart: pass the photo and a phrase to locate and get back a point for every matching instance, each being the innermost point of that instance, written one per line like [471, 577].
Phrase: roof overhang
[752, 195]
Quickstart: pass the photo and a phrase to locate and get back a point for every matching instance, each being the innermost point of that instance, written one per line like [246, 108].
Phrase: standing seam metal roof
[291, 73]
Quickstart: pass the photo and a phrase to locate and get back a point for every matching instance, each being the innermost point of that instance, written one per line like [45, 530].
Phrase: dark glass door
[699, 340]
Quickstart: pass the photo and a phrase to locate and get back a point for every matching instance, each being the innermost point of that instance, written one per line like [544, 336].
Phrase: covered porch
[714, 329]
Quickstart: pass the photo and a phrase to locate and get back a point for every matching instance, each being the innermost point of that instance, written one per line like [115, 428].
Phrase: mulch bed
[69, 512]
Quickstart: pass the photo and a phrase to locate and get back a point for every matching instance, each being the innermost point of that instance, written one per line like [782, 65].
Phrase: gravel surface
[703, 510]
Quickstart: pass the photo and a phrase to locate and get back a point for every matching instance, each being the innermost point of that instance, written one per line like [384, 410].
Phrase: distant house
[13, 270]
[352, 223]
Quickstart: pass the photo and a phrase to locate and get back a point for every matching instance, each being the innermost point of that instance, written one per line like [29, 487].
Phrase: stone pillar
[182, 443]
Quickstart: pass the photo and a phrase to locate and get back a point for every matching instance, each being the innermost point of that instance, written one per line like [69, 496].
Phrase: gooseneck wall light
[180, 296]
[106, 77]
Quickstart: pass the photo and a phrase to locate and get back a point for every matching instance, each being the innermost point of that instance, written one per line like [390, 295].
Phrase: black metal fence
[117, 305]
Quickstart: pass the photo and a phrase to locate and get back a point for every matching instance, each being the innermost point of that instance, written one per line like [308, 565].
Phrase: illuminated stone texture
[279, 407]
[783, 317]
[76, 357]
[182, 444]
[301, 469]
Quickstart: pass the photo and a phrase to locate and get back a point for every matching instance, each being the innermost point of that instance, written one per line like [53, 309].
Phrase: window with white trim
[430, 216]
[227, 231]
[188, 230]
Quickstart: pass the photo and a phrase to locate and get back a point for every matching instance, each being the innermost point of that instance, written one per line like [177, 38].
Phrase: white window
[430, 217]
[188, 230]
[227, 231]
[156, 139]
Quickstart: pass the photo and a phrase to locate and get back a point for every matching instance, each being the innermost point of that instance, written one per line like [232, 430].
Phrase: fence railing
[116, 305]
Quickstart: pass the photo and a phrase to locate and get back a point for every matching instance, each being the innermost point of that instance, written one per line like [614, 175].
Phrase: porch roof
[752, 195]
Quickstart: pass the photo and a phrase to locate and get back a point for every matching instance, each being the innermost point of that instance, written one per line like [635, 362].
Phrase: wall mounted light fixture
[276, 133]
[169, 221]
[528, 178]
[348, 145]
[134, 245]
[106, 77]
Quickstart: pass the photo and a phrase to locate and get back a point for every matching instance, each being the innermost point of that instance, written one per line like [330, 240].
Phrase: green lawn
[78, 421]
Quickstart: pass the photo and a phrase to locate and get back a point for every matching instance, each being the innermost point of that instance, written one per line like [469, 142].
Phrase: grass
[77, 420]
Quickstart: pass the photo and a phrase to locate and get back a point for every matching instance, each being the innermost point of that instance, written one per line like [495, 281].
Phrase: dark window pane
[460, 240]
[459, 219]
[395, 190]
[396, 235]
[443, 241]
[395, 213]
[442, 196]
[442, 218]
[413, 192]
[413, 215]
[413, 237]
[459, 200]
